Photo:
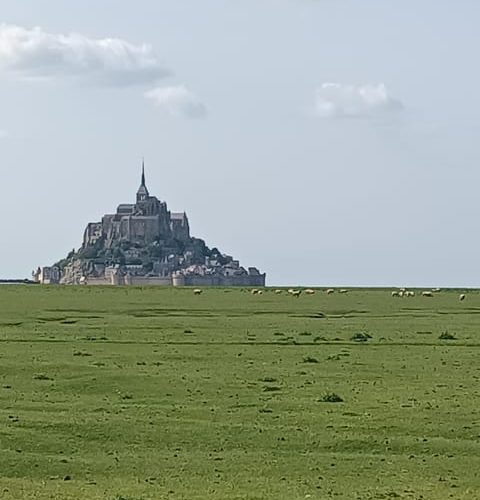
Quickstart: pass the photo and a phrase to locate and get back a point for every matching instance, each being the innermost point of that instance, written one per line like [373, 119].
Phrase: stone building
[143, 243]
[144, 222]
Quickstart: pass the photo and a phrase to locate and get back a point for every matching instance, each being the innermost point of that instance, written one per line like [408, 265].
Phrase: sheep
[309, 291]
[462, 296]
[436, 289]
[296, 293]
[401, 293]
[330, 290]
[427, 293]
[343, 290]
[278, 292]
[395, 293]
[260, 292]
[409, 293]
[254, 291]
[197, 291]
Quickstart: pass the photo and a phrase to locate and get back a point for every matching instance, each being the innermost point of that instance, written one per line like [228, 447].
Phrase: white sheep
[278, 292]
[330, 290]
[427, 293]
[309, 291]
[197, 291]
[462, 296]
[395, 293]
[343, 290]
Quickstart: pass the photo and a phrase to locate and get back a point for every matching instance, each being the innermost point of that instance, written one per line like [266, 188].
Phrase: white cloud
[34, 53]
[336, 100]
[178, 101]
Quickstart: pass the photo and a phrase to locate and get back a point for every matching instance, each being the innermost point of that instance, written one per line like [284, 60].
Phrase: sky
[327, 142]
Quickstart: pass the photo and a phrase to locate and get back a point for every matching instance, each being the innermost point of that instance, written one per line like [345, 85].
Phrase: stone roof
[124, 207]
[178, 215]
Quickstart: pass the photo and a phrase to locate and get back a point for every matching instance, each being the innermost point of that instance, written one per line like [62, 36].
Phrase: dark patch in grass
[69, 321]
[310, 359]
[334, 357]
[41, 376]
[331, 397]
[81, 353]
[60, 319]
[360, 337]
[265, 410]
[447, 336]
[271, 388]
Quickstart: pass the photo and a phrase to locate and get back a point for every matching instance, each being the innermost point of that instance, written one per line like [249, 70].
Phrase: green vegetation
[131, 393]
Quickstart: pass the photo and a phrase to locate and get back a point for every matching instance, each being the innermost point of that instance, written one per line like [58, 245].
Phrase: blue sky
[327, 142]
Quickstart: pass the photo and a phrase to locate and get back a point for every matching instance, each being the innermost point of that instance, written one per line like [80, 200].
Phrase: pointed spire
[142, 193]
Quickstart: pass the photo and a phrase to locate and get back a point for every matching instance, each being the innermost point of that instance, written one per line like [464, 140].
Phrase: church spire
[142, 193]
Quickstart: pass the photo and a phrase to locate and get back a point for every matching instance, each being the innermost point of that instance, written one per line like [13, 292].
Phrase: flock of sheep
[402, 292]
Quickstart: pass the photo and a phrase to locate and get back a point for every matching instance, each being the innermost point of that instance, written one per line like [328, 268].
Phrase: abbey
[143, 243]
[144, 222]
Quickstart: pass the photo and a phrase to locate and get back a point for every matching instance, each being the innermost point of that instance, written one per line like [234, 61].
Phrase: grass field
[130, 393]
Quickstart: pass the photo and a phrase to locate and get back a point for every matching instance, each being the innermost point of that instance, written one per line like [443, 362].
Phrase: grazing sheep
[197, 291]
[403, 289]
[309, 291]
[401, 293]
[462, 296]
[343, 290]
[427, 293]
[395, 294]
[409, 293]
[254, 291]
[260, 292]
[296, 293]
[330, 290]
[436, 289]
[278, 292]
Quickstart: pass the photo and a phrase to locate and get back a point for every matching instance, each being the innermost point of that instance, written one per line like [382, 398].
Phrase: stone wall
[192, 280]
[244, 280]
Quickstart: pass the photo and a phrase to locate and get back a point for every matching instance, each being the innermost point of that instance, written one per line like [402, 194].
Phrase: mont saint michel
[143, 243]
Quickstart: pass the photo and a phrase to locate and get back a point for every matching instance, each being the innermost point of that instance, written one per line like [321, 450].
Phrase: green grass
[152, 393]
